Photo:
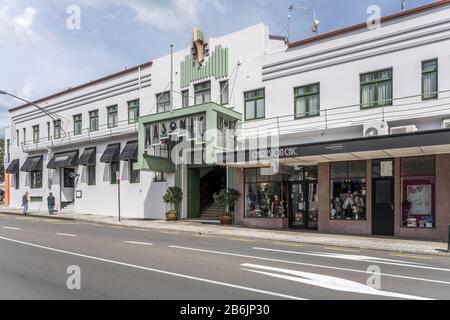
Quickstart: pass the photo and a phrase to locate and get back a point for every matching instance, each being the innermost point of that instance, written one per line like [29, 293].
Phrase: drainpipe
[171, 78]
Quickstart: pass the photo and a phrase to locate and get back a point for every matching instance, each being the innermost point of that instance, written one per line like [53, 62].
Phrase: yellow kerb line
[342, 249]
[240, 239]
[288, 244]
[410, 256]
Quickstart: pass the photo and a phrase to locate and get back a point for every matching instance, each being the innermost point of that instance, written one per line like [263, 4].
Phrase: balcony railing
[87, 135]
[404, 108]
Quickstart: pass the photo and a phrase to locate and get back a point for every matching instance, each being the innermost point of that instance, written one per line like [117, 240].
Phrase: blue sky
[39, 55]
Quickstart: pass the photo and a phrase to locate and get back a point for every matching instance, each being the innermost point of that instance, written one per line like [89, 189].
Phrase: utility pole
[171, 78]
[118, 192]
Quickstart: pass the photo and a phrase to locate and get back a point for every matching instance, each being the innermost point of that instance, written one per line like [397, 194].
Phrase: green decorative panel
[216, 65]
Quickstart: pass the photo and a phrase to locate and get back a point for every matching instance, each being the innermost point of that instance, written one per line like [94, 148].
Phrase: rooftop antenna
[403, 4]
[291, 9]
[316, 23]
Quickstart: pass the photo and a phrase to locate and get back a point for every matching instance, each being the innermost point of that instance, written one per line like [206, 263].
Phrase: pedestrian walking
[51, 204]
[25, 202]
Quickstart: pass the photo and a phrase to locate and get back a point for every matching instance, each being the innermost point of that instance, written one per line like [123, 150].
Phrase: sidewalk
[388, 244]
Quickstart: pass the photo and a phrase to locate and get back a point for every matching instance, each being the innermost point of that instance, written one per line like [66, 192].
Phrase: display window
[348, 190]
[418, 192]
[265, 196]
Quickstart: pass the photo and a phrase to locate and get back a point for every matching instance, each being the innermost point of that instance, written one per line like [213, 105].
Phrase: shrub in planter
[173, 196]
[227, 198]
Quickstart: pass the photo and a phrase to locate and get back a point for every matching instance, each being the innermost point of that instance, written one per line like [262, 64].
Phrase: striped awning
[14, 167]
[111, 154]
[130, 152]
[33, 164]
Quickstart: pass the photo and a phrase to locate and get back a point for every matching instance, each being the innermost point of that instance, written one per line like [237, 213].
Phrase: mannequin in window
[277, 206]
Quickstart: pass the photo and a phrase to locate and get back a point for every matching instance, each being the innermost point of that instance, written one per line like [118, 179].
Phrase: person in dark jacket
[51, 204]
[25, 202]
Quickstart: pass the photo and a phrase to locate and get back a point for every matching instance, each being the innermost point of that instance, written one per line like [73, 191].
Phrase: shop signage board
[191, 127]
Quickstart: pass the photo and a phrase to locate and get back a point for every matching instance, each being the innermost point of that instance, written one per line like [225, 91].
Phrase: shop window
[265, 196]
[114, 168]
[36, 179]
[135, 175]
[160, 177]
[91, 173]
[36, 199]
[17, 180]
[418, 192]
[348, 186]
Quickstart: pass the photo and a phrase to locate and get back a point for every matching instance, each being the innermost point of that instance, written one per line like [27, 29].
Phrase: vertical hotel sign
[192, 128]
[202, 64]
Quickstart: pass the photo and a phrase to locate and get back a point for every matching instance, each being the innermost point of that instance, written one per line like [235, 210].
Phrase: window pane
[418, 166]
[250, 110]
[300, 107]
[339, 170]
[348, 199]
[357, 169]
[260, 108]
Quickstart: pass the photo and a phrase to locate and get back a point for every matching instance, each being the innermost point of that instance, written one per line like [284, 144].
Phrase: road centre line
[67, 235]
[308, 264]
[11, 228]
[410, 256]
[136, 242]
[374, 260]
[342, 249]
[179, 275]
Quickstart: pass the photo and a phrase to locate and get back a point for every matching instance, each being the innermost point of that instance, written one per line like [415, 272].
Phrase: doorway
[304, 202]
[67, 186]
[383, 207]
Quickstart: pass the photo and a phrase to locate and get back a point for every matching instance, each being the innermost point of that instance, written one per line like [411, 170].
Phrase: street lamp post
[2, 92]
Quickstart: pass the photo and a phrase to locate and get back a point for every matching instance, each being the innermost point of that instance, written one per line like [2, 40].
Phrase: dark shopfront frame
[306, 181]
[285, 186]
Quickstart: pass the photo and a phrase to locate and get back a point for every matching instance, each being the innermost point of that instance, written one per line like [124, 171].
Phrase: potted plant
[227, 198]
[173, 196]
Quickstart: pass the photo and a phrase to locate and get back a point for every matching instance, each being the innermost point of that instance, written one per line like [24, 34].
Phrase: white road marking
[67, 235]
[360, 258]
[142, 243]
[11, 228]
[309, 264]
[179, 275]
[327, 282]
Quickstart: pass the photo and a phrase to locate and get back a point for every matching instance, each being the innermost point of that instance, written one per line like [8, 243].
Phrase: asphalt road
[129, 263]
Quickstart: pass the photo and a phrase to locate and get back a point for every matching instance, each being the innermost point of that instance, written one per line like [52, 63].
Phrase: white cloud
[167, 14]
[17, 24]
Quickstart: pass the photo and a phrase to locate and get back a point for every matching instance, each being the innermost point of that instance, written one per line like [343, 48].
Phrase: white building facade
[359, 116]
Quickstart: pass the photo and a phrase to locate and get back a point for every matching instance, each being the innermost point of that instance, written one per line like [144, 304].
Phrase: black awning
[14, 167]
[88, 157]
[63, 160]
[32, 164]
[130, 152]
[111, 154]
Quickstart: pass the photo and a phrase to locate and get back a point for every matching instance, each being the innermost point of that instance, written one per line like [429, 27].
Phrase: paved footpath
[302, 237]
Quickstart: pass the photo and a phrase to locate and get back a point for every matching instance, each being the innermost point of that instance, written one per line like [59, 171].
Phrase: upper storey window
[163, 102]
[376, 89]
[307, 101]
[255, 104]
[202, 93]
[430, 79]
